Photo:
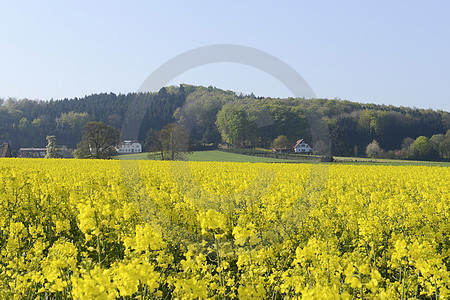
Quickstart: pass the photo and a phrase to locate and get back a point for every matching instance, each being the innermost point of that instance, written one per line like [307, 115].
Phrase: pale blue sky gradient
[390, 52]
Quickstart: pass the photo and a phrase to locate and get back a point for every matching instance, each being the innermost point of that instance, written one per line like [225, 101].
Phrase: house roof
[129, 142]
[298, 143]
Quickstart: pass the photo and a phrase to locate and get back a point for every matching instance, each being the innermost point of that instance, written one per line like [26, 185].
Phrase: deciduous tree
[281, 141]
[421, 148]
[234, 125]
[99, 141]
[173, 142]
[51, 147]
[374, 149]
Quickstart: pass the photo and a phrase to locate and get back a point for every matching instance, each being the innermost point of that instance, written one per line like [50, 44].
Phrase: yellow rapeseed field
[88, 229]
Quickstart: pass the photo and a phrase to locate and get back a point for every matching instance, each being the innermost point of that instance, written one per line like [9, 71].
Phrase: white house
[129, 147]
[302, 147]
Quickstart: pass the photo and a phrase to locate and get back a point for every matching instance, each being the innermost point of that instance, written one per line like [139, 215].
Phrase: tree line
[212, 116]
[421, 148]
[27, 123]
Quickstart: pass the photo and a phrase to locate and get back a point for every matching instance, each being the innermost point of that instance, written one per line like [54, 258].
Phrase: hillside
[257, 121]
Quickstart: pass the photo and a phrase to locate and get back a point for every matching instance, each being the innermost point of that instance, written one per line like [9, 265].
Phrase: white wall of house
[129, 147]
[303, 147]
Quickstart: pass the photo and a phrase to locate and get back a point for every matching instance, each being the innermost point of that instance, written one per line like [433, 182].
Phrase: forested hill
[26, 123]
[257, 120]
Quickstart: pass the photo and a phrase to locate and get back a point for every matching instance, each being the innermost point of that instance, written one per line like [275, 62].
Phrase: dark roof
[5, 150]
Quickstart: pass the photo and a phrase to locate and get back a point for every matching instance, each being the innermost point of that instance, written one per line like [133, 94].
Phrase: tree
[444, 147]
[421, 148]
[82, 150]
[153, 145]
[174, 142]
[281, 141]
[99, 141]
[406, 145]
[374, 150]
[320, 148]
[199, 113]
[51, 147]
[343, 133]
[440, 144]
[70, 126]
[24, 130]
[37, 131]
[114, 120]
[234, 125]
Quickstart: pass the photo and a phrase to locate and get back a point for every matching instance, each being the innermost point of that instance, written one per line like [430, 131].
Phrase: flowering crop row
[87, 229]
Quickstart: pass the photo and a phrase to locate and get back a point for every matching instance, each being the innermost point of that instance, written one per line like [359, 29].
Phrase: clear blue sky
[391, 52]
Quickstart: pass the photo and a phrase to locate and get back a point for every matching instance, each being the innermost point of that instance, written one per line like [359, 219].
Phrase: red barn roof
[298, 143]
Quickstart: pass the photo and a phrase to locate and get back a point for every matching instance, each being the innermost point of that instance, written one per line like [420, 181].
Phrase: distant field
[212, 155]
[303, 158]
[217, 155]
[390, 162]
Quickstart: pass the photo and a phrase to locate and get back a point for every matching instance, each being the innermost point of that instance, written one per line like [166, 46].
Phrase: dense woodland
[213, 116]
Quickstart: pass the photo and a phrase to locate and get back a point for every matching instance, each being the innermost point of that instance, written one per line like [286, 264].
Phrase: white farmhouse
[129, 147]
[302, 147]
